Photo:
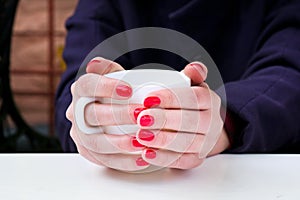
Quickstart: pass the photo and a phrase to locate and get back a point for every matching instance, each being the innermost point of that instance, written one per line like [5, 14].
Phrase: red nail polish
[137, 111]
[147, 120]
[136, 143]
[141, 162]
[94, 62]
[150, 154]
[124, 90]
[151, 102]
[146, 135]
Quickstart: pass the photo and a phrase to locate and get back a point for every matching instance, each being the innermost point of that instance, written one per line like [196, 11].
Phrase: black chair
[10, 135]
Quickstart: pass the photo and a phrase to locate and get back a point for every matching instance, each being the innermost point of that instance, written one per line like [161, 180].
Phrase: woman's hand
[181, 127]
[105, 149]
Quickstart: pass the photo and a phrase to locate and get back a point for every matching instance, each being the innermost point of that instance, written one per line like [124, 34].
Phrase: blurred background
[36, 65]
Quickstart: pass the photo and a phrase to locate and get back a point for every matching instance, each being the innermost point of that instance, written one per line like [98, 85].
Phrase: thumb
[101, 66]
[196, 71]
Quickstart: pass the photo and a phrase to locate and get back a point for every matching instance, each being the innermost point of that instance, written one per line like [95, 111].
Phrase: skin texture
[185, 124]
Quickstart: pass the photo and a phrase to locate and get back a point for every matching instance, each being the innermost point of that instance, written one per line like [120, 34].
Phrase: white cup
[142, 81]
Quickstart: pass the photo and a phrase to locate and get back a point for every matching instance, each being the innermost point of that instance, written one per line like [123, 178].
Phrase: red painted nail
[124, 90]
[150, 154]
[147, 120]
[151, 102]
[136, 143]
[146, 135]
[137, 111]
[94, 62]
[141, 162]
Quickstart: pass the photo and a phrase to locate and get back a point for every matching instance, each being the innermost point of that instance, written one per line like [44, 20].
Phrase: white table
[69, 176]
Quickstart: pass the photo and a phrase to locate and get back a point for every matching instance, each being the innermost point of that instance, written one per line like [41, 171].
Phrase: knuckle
[196, 143]
[105, 82]
[106, 160]
[162, 140]
[216, 98]
[123, 145]
[166, 95]
[73, 135]
[169, 97]
[73, 88]
[208, 122]
[201, 96]
[84, 84]
[69, 113]
[176, 163]
[93, 145]
[82, 151]
[188, 142]
[122, 114]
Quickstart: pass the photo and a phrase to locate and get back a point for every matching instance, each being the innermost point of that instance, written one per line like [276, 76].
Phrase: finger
[93, 85]
[171, 159]
[101, 66]
[97, 114]
[74, 135]
[173, 141]
[196, 71]
[190, 121]
[108, 143]
[69, 112]
[72, 88]
[122, 162]
[87, 155]
[81, 149]
[184, 98]
[216, 126]
[114, 161]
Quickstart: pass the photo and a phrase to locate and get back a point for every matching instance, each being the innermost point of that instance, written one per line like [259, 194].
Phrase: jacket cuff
[233, 126]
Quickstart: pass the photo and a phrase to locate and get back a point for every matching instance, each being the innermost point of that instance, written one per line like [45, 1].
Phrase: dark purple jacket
[255, 44]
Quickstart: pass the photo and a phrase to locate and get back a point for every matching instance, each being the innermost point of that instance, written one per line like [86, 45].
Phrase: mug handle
[79, 116]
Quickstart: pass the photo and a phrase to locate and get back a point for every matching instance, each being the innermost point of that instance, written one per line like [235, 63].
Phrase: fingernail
[150, 102]
[137, 111]
[146, 135]
[146, 120]
[136, 143]
[141, 162]
[124, 90]
[199, 68]
[150, 154]
[95, 61]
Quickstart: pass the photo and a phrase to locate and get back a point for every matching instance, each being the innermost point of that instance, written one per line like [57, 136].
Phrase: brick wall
[30, 51]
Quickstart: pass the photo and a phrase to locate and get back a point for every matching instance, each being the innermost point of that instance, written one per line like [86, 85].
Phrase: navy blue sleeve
[267, 98]
[92, 22]
[264, 100]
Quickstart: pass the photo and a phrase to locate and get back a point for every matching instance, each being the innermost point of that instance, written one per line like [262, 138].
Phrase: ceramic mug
[142, 81]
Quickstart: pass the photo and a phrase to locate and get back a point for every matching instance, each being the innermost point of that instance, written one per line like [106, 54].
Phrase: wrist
[222, 144]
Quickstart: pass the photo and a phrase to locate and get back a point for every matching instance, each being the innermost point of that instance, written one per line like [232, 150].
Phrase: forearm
[267, 119]
[265, 101]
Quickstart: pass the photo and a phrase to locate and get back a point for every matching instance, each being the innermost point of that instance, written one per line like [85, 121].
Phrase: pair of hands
[178, 128]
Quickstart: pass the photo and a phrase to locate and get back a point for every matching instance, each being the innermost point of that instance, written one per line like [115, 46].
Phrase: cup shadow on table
[162, 175]
[218, 171]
